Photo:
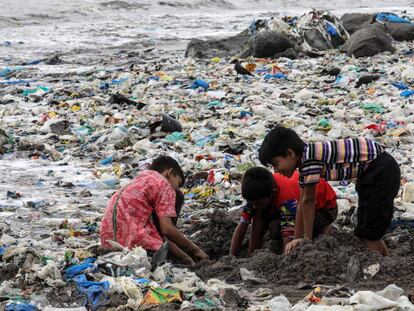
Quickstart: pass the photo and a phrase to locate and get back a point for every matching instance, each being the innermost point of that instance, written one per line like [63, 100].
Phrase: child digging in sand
[376, 172]
[272, 203]
[144, 213]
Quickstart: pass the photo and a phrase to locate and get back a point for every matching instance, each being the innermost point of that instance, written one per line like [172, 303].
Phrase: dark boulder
[218, 47]
[290, 53]
[356, 21]
[368, 42]
[268, 43]
[400, 31]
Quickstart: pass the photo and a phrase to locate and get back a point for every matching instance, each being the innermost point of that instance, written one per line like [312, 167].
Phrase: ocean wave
[40, 16]
[124, 5]
[219, 4]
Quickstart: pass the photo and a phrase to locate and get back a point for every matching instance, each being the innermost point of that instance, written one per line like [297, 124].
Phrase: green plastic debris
[324, 124]
[215, 103]
[68, 256]
[373, 108]
[44, 260]
[175, 137]
[205, 304]
[27, 92]
[206, 140]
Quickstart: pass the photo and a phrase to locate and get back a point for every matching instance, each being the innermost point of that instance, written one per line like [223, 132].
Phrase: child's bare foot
[378, 246]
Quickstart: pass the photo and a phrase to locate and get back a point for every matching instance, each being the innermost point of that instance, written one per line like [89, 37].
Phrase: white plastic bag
[279, 303]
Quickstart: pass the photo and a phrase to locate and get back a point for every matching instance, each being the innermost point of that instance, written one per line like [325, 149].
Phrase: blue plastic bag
[400, 85]
[5, 72]
[21, 307]
[75, 270]
[390, 17]
[95, 291]
[252, 28]
[16, 82]
[278, 75]
[107, 161]
[200, 83]
[33, 62]
[407, 93]
[331, 29]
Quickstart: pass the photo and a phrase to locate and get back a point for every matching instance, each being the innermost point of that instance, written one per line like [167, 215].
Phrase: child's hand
[188, 261]
[292, 245]
[200, 255]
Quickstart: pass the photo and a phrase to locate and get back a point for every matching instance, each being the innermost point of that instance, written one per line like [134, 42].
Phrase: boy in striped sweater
[376, 172]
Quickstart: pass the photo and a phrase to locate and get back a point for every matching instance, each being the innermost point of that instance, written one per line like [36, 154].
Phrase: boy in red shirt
[144, 212]
[272, 200]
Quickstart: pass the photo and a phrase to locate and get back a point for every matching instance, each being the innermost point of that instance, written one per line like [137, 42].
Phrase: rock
[355, 21]
[268, 43]
[218, 47]
[290, 53]
[400, 31]
[368, 42]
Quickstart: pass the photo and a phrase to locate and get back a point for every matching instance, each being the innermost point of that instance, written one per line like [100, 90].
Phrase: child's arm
[307, 204]
[238, 237]
[258, 229]
[299, 218]
[168, 230]
[179, 254]
[305, 217]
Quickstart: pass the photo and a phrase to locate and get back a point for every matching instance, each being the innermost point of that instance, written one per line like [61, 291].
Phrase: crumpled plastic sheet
[95, 292]
[157, 296]
[72, 271]
[389, 298]
[20, 307]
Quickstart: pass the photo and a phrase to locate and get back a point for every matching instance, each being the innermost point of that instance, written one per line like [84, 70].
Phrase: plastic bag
[279, 303]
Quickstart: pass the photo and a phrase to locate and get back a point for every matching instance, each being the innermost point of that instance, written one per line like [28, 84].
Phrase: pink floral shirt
[149, 192]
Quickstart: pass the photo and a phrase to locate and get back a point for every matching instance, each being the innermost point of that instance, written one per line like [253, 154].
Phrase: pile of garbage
[126, 279]
[71, 135]
[311, 34]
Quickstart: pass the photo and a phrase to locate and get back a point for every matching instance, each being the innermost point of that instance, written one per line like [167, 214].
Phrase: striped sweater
[342, 159]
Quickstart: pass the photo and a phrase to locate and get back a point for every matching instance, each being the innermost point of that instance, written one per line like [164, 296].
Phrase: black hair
[257, 183]
[277, 142]
[163, 163]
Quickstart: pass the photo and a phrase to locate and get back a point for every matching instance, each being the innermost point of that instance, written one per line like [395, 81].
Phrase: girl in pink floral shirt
[143, 213]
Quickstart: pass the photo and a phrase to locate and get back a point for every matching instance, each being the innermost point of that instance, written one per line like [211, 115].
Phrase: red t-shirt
[149, 192]
[288, 191]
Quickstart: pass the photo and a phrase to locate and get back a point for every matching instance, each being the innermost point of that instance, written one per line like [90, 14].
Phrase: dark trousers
[377, 188]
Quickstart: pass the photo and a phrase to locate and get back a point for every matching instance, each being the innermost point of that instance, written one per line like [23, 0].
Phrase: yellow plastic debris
[75, 108]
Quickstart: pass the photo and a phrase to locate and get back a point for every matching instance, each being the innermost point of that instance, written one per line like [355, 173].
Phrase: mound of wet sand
[214, 235]
[337, 259]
